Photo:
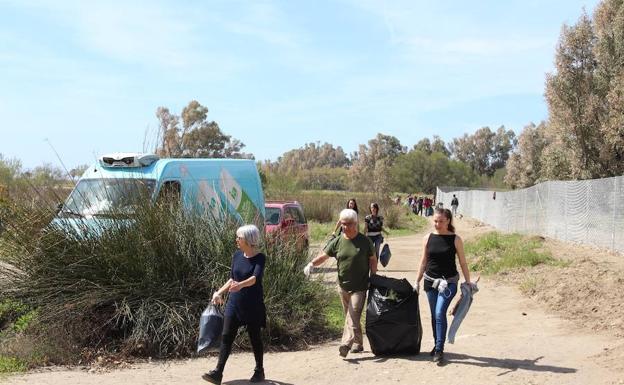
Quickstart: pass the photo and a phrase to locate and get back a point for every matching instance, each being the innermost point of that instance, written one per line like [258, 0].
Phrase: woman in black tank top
[438, 268]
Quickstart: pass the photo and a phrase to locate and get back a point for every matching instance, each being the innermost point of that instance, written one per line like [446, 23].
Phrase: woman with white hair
[245, 304]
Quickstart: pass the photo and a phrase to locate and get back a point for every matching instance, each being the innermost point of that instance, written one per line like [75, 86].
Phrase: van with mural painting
[117, 183]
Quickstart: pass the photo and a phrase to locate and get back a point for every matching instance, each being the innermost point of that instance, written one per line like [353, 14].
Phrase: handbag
[210, 329]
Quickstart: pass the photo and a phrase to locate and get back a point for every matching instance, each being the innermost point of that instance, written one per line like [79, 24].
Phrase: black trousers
[230, 330]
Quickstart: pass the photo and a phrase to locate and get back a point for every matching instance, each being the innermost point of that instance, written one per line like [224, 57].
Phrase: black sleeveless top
[441, 256]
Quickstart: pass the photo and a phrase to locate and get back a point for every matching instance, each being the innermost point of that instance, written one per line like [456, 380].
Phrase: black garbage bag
[210, 329]
[384, 256]
[393, 317]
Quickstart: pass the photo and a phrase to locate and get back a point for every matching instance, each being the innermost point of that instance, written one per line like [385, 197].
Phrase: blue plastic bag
[210, 329]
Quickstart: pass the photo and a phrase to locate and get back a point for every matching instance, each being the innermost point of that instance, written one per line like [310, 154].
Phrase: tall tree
[423, 145]
[169, 145]
[609, 51]
[198, 137]
[383, 149]
[524, 165]
[438, 145]
[574, 106]
[428, 146]
[418, 171]
[484, 151]
[312, 155]
[503, 142]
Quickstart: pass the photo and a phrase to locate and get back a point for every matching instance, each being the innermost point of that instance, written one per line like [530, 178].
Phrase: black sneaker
[343, 350]
[438, 356]
[213, 376]
[258, 376]
[357, 349]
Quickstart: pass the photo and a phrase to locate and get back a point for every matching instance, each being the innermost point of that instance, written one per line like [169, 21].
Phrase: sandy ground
[508, 338]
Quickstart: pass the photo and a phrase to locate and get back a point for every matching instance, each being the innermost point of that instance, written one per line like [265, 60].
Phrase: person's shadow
[510, 364]
[246, 382]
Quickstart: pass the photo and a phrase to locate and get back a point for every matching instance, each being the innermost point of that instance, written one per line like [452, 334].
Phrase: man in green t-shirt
[355, 255]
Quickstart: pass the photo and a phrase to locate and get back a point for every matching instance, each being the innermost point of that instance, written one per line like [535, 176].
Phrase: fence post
[588, 196]
[614, 212]
[524, 210]
[565, 210]
[538, 204]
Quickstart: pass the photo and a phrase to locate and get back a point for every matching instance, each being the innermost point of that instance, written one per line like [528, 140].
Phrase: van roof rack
[127, 159]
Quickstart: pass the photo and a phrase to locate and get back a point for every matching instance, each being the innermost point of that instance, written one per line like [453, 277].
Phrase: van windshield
[107, 197]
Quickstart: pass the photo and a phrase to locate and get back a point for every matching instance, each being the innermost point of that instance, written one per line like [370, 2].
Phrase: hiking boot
[213, 376]
[432, 352]
[438, 356]
[343, 350]
[258, 376]
[357, 349]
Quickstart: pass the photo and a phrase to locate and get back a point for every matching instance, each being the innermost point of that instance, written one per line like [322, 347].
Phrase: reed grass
[137, 284]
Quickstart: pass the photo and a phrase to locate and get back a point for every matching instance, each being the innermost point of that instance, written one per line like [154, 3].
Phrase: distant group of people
[357, 257]
[420, 205]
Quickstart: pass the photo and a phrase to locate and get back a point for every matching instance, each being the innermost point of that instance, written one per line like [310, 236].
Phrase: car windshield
[107, 196]
[272, 215]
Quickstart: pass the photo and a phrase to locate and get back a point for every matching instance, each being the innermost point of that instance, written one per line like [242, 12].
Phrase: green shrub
[138, 284]
[11, 365]
[24, 321]
[10, 311]
[495, 252]
[393, 216]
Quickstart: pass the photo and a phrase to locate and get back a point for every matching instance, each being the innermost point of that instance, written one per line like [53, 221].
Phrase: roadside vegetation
[495, 252]
[136, 286]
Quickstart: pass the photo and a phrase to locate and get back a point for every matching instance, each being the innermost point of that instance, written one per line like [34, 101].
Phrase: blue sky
[88, 76]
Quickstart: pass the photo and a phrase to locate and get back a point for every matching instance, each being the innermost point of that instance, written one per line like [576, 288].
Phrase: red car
[285, 218]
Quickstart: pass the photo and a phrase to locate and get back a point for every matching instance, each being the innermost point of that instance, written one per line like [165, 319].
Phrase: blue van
[118, 182]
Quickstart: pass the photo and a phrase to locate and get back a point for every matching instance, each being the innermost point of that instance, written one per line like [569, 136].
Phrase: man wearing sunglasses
[356, 259]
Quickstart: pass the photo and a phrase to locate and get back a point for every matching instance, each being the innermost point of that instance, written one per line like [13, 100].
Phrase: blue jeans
[438, 304]
[376, 239]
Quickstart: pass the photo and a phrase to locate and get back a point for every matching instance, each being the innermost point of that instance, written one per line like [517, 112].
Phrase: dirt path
[506, 339]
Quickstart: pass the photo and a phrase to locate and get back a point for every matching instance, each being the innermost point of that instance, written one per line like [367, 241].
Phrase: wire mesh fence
[588, 211]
